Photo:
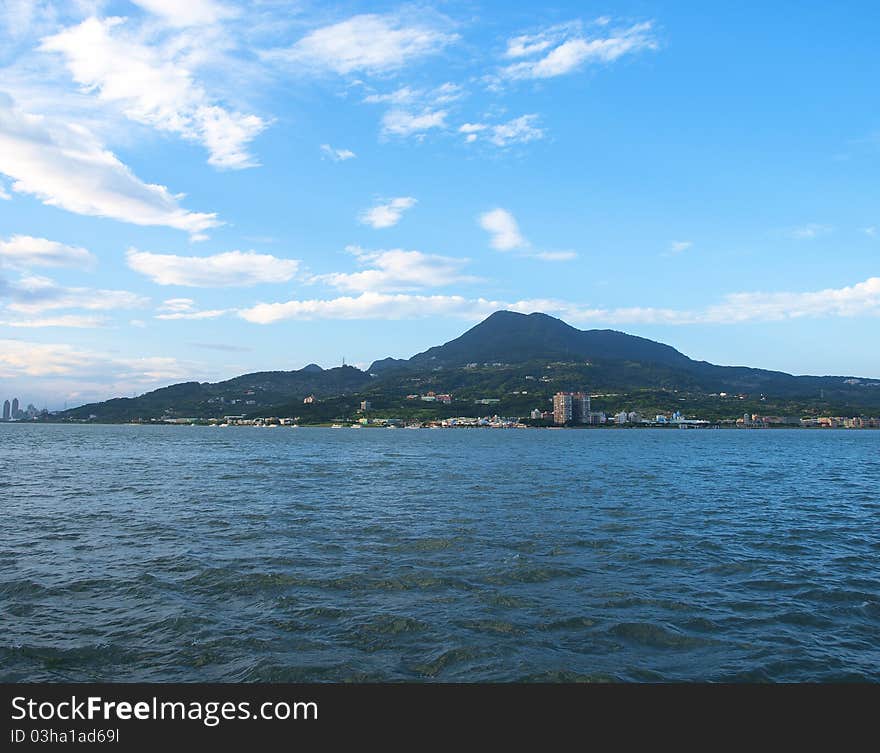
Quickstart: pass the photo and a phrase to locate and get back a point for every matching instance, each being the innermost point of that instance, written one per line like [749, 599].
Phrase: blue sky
[198, 190]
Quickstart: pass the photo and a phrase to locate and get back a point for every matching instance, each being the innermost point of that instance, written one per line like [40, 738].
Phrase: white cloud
[189, 13]
[861, 299]
[415, 111]
[569, 50]
[810, 231]
[153, 87]
[20, 358]
[517, 131]
[402, 96]
[678, 247]
[368, 43]
[405, 95]
[396, 270]
[471, 130]
[74, 321]
[229, 269]
[211, 314]
[503, 230]
[526, 45]
[871, 232]
[24, 251]
[4, 194]
[337, 155]
[177, 305]
[34, 295]
[368, 305]
[185, 308]
[555, 255]
[39, 359]
[65, 166]
[404, 123]
[520, 130]
[505, 235]
[388, 214]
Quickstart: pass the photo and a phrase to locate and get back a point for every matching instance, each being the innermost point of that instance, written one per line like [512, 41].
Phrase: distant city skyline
[197, 191]
[12, 411]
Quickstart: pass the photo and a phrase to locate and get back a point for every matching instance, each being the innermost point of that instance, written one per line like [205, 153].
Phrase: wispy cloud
[190, 13]
[564, 49]
[229, 269]
[185, 308]
[505, 235]
[398, 270]
[810, 231]
[83, 368]
[337, 155]
[223, 347]
[34, 295]
[679, 247]
[25, 251]
[66, 166]
[555, 255]
[406, 95]
[152, 86]
[388, 213]
[520, 130]
[71, 321]
[405, 123]
[861, 299]
[368, 43]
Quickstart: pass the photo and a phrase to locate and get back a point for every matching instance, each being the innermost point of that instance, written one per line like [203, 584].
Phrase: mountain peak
[512, 337]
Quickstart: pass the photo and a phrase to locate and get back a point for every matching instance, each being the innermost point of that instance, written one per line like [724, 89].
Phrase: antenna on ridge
[343, 360]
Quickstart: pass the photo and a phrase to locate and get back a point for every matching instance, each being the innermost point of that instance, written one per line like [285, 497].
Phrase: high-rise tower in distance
[15, 410]
[6, 413]
[571, 408]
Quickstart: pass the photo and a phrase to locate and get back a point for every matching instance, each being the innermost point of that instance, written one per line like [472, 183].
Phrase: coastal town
[570, 410]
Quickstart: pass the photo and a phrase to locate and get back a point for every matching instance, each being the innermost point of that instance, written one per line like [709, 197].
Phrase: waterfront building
[571, 407]
[6, 413]
[15, 409]
[309, 400]
[366, 405]
[562, 410]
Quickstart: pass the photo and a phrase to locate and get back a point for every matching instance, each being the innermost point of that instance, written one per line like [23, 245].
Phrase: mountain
[506, 355]
[618, 360]
[242, 394]
[509, 337]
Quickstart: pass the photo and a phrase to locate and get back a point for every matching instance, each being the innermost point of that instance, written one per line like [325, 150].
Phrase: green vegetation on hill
[519, 360]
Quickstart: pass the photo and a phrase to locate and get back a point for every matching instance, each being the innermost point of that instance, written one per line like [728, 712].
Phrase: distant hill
[496, 358]
[243, 394]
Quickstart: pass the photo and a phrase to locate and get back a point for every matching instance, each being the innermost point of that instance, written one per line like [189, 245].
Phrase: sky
[192, 191]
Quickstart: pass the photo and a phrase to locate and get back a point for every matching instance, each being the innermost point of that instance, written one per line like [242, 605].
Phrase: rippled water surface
[243, 554]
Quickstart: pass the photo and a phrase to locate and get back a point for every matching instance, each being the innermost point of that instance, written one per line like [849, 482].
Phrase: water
[196, 554]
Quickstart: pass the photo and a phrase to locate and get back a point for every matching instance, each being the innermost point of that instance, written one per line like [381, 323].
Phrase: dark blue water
[241, 554]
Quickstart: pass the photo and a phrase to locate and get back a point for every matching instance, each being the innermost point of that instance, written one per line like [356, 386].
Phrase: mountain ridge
[511, 343]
